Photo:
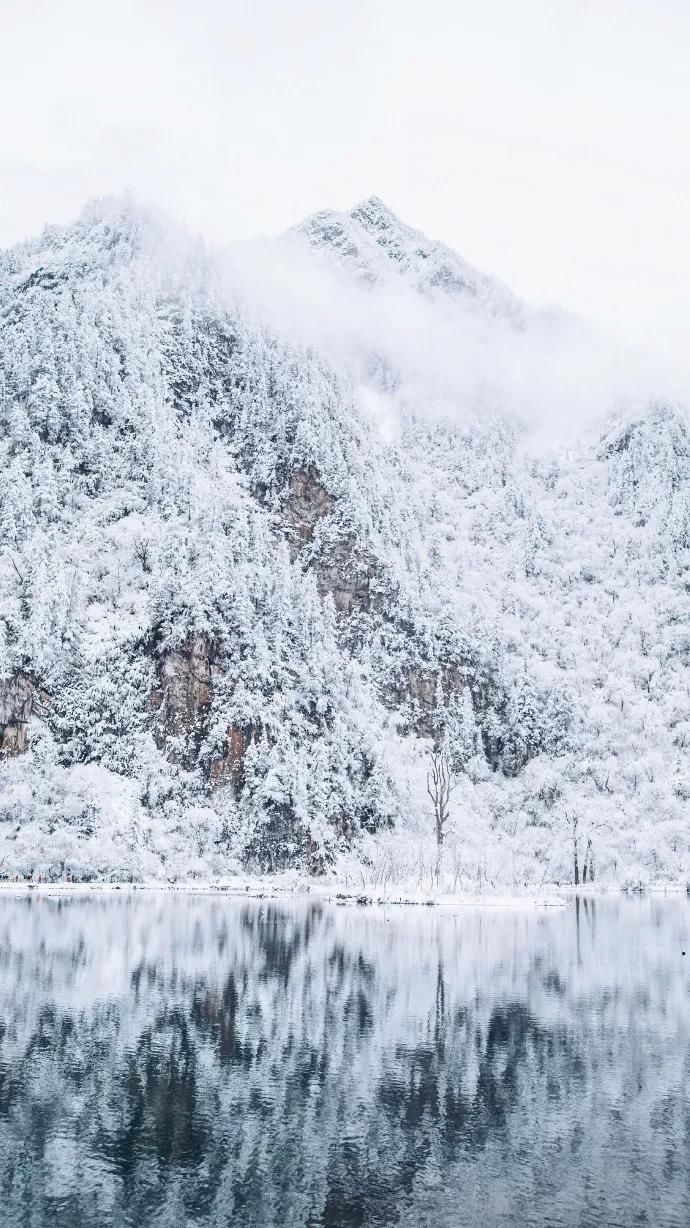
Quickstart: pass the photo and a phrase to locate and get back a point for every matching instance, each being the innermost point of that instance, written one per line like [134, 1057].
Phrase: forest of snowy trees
[249, 579]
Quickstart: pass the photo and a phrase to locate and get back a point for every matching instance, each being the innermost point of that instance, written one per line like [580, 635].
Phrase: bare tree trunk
[588, 862]
[574, 823]
[440, 784]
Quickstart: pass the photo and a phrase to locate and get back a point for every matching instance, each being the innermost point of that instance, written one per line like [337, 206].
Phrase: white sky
[546, 140]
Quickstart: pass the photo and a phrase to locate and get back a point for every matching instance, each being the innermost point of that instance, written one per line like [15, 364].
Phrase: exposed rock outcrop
[182, 703]
[307, 503]
[228, 768]
[351, 576]
[421, 687]
[19, 701]
[182, 700]
[344, 570]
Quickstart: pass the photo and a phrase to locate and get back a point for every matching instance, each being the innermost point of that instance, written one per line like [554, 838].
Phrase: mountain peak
[371, 243]
[374, 213]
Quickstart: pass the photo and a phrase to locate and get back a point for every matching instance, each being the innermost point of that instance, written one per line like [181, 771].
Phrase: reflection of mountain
[265, 1065]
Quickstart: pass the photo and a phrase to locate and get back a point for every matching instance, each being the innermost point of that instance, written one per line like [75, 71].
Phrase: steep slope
[233, 612]
[146, 590]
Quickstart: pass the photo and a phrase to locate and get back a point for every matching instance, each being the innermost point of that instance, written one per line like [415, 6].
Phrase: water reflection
[204, 1061]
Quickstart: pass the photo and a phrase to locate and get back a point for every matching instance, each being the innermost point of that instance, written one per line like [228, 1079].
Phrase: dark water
[203, 1061]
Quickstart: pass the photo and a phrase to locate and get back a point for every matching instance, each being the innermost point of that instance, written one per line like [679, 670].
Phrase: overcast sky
[546, 140]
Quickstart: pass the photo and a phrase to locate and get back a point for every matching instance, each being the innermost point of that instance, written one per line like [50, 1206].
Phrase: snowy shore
[297, 889]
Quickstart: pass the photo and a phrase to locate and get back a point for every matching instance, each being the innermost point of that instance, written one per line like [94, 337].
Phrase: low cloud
[553, 372]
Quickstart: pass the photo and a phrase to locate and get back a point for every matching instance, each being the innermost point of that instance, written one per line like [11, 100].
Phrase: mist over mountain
[373, 245]
[273, 520]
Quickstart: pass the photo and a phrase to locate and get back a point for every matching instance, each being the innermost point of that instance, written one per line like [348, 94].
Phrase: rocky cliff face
[344, 568]
[227, 768]
[307, 503]
[17, 704]
[182, 706]
[353, 577]
[182, 699]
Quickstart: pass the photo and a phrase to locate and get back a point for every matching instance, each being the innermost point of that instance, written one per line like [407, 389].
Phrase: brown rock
[19, 701]
[347, 576]
[347, 572]
[182, 698]
[307, 503]
[228, 768]
[420, 686]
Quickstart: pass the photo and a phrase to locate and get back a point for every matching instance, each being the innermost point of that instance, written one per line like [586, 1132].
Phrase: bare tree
[588, 867]
[573, 821]
[441, 781]
[142, 552]
[588, 864]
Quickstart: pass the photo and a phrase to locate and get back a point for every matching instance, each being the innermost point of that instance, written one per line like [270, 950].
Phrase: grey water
[196, 1060]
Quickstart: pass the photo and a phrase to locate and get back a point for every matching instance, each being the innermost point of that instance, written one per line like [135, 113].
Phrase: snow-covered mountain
[249, 572]
[371, 244]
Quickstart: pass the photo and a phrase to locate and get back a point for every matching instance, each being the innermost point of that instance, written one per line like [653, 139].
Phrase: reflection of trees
[278, 1086]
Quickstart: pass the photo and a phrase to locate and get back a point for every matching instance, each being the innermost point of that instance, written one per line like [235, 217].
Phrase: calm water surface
[205, 1061]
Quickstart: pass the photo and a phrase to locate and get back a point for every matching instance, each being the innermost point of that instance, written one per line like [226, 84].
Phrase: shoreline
[300, 892]
[334, 893]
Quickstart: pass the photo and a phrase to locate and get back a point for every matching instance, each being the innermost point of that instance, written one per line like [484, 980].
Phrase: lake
[202, 1060]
